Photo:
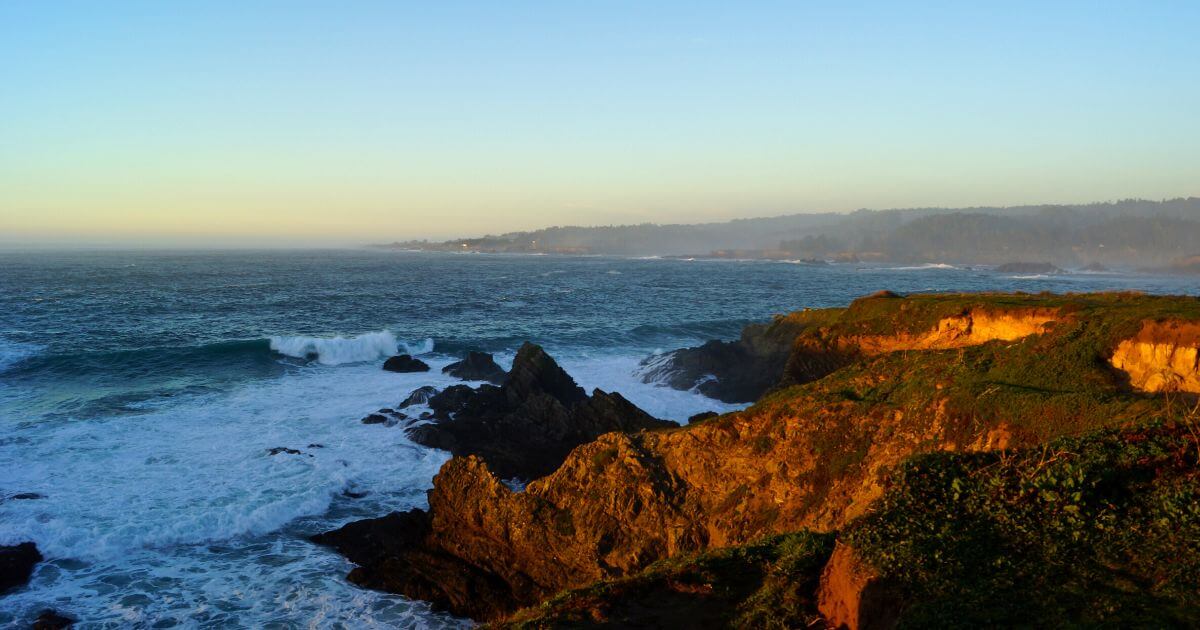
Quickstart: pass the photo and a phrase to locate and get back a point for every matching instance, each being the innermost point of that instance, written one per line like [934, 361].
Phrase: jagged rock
[419, 396]
[405, 363]
[526, 427]
[51, 620]
[16, 564]
[476, 366]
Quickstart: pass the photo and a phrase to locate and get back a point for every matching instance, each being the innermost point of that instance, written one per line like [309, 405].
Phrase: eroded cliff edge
[879, 382]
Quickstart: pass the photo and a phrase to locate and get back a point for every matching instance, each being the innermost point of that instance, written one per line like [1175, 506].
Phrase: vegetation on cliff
[1103, 529]
[767, 584]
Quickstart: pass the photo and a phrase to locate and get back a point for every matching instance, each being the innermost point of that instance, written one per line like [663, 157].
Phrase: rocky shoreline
[853, 395]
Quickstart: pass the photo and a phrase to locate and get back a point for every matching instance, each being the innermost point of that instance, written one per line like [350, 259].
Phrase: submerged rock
[526, 427]
[16, 564]
[419, 396]
[405, 363]
[386, 417]
[283, 450]
[476, 366]
[25, 496]
[51, 620]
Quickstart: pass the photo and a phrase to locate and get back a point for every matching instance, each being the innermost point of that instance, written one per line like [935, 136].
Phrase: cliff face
[908, 376]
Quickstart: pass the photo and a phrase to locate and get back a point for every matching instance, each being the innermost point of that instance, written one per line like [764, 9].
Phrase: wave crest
[14, 352]
[339, 350]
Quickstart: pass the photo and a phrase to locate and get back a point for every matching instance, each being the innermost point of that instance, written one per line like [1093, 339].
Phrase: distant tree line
[1132, 232]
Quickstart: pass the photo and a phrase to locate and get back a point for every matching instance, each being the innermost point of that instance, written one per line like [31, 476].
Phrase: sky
[259, 123]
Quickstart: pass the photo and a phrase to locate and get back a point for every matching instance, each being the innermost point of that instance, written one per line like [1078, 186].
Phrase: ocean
[140, 393]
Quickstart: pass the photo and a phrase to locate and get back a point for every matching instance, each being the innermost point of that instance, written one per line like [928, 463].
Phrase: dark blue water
[139, 392]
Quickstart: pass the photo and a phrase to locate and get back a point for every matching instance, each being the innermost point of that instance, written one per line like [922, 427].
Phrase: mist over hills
[1127, 233]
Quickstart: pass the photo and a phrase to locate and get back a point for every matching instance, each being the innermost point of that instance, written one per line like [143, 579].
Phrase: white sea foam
[180, 513]
[148, 497]
[924, 267]
[423, 347]
[339, 350]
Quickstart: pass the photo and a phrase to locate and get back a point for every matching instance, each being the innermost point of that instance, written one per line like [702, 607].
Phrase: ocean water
[140, 393]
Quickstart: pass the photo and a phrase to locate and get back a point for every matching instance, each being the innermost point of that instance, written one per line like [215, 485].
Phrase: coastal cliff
[909, 384]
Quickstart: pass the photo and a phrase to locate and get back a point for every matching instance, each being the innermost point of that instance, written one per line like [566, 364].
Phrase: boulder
[16, 564]
[405, 363]
[476, 366]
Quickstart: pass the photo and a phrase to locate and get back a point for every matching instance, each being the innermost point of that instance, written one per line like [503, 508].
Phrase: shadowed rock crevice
[16, 565]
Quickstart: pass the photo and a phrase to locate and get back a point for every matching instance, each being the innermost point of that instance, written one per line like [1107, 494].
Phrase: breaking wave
[339, 350]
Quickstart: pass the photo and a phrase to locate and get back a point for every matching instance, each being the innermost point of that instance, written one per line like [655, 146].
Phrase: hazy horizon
[283, 124]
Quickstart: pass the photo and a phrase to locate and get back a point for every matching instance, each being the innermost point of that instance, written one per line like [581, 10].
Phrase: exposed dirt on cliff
[853, 595]
[968, 329]
[1163, 357]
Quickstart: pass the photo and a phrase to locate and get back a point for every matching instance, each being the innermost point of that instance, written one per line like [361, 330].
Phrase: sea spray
[338, 350]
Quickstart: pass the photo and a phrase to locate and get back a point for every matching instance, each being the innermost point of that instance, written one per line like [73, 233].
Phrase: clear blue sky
[230, 122]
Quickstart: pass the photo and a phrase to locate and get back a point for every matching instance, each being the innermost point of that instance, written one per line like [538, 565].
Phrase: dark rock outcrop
[731, 371]
[405, 363]
[526, 427]
[386, 417]
[51, 620]
[16, 565]
[1028, 267]
[476, 366]
[419, 396]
